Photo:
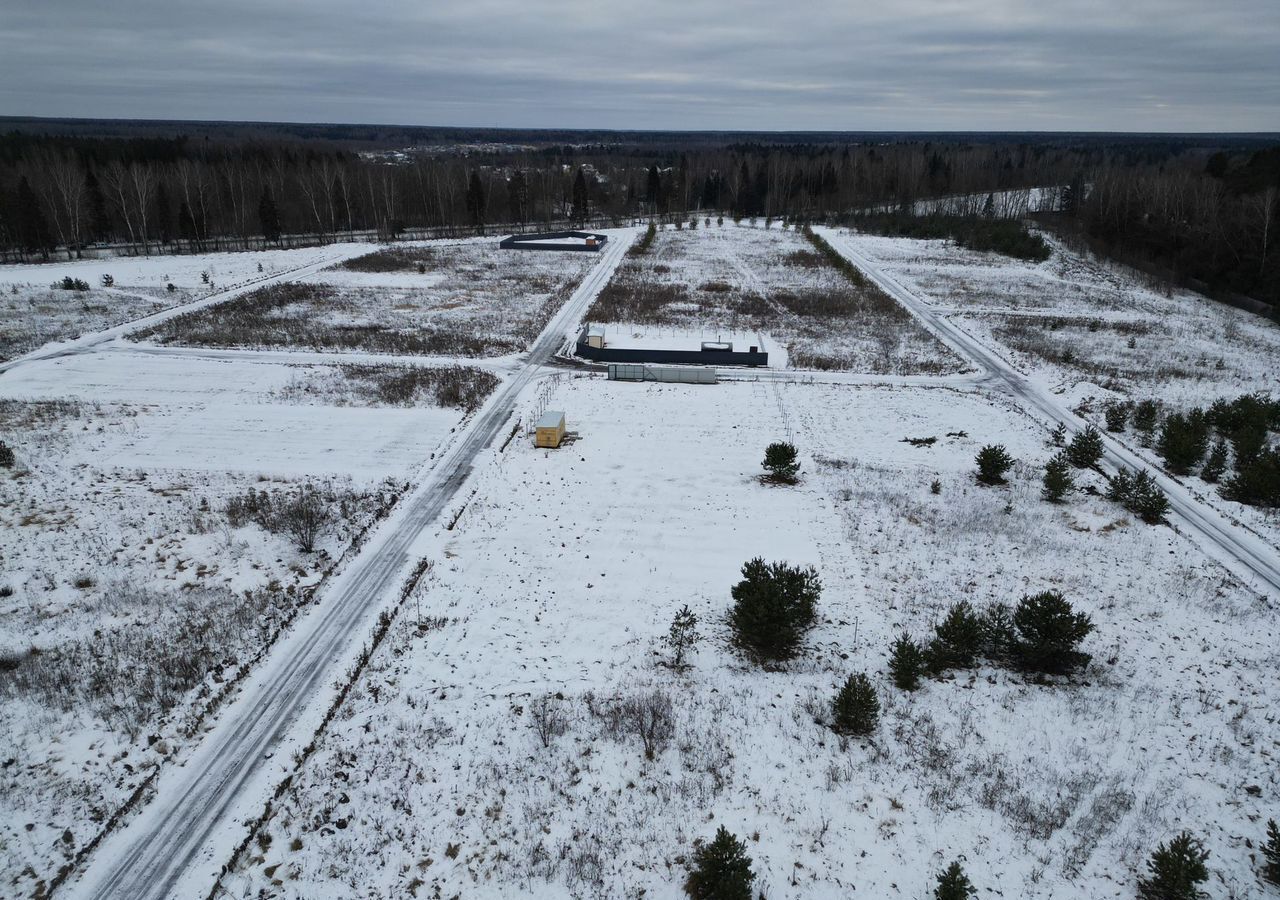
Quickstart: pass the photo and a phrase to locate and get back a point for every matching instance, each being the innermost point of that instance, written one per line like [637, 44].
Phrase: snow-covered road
[1244, 553]
[176, 846]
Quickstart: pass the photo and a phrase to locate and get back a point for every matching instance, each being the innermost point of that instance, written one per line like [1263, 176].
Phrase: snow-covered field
[33, 313]
[470, 299]
[569, 567]
[132, 593]
[1073, 319]
[771, 282]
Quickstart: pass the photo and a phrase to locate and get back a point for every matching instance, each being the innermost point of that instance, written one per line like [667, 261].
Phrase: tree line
[1196, 214]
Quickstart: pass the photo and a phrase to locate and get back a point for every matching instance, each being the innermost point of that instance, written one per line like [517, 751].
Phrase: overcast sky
[1109, 65]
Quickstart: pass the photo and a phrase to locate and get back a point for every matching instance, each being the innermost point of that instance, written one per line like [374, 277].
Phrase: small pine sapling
[721, 870]
[1116, 415]
[1216, 464]
[856, 710]
[958, 639]
[682, 636]
[993, 461]
[953, 884]
[906, 663]
[1057, 479]
[1049, 633]
[1175, 870]
[780, 461]
[1271, 854]
[1085, 448]
[1058, 437]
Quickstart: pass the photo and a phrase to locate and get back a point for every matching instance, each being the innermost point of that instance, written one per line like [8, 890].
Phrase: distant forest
[1193, 209]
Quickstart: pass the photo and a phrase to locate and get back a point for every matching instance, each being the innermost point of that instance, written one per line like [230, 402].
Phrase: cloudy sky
[1124, 65]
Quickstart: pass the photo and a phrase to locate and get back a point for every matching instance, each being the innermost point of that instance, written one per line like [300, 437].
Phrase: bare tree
[305, 516]
[548, 718]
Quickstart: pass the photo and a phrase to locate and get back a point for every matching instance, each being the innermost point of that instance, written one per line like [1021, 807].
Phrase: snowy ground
[569, 566]
[771, 282]
[1073, 319]
[32, 313]
[471, 299]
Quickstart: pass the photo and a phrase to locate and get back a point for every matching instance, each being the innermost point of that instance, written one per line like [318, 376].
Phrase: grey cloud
[748, 64]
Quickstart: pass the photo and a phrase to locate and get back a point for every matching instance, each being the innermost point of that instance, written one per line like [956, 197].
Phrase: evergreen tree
[682, 636]
[1057, 479]
[477, 202]
[1183, 440]
[721, 870]
[581, 204]
[1116, 415]
[1216, 464]
[1271, 854]
[1175, 870]
[906, 662]
[1257, 483]
[993, 461]
[958, 639]
[269, 218]
[953, 884]
[856, 710]
[1145, 414]
[1049, 633]
[1085, 448]
[774, 607]
[653, 189]
[780, 461]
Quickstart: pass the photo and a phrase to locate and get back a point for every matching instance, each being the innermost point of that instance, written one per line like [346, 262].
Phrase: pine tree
[993, 461]
[1145, 414]
[906, 662]
[1175, 870]
[958, 639]
[721, 870]
[1216, 464]
[1085, 448]
[856, 710]
[1049, 633]
[682, 636]
[1057, 479]
[269, 218]
[581, 204]
[774, 607]
[953, 884]
[1271, 854]
[1116, 415]
[1183, 440]
[780, 460]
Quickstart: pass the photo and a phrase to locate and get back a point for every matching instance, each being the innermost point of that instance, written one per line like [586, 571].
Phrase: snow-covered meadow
[32, 312]
[551, 598]
[773, 283]
[468, 299]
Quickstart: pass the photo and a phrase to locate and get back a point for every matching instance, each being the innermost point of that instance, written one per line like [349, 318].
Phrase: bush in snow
[781, 463]
[998, 632]
[774, 606]
[1116, 415]
[1057, 479]
[71, 284]
[1271, 853]
[682, 636]
[304, 517]
[1175, 870]
[906, 663]
[7, 459]
[993, 461]
[721, 870]
[548, 719]
[855, 709]
[1049, 633]
[958, 639]
[953, 884]
[1085, 448]
[1058, 437]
